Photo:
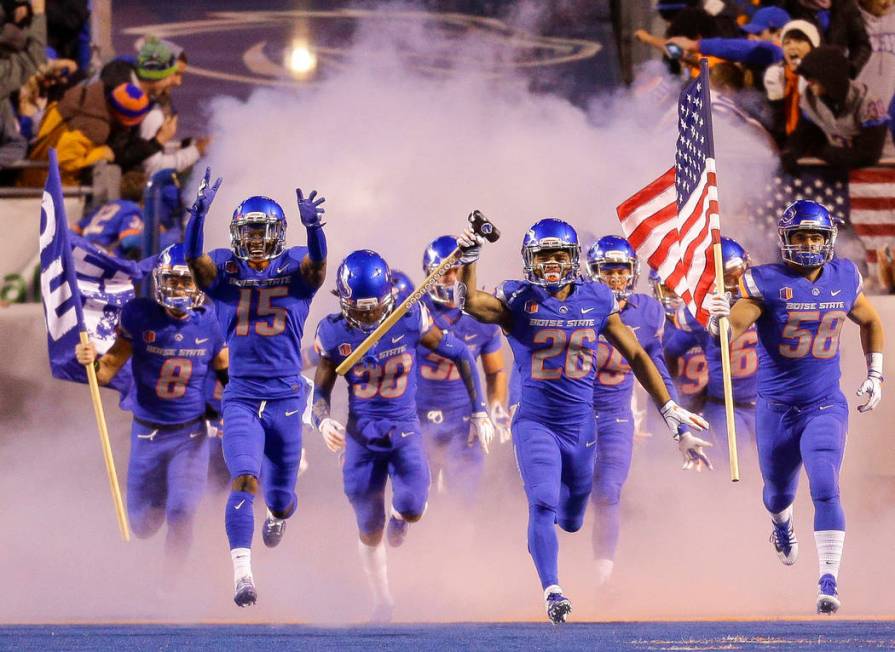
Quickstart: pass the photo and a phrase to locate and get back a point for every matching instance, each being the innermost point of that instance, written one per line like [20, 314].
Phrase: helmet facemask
[619, 277]
[366, 314]
[807, 255]
[551, 263]
[175, 288]
[257, 237]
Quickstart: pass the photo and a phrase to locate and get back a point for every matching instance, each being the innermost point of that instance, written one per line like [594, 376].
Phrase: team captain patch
[345, 349]
[531, 307]
[786, 294]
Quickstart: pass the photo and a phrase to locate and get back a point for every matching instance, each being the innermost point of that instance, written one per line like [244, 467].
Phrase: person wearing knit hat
[842, 122]
[155, 60]
[128, 104]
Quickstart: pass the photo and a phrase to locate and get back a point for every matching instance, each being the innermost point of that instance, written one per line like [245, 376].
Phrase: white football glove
[872, 387]
[333, 434]
[502, 421]
[481, 429]
[691, 448]
[719, 306]
[675, 416]
[470, 244]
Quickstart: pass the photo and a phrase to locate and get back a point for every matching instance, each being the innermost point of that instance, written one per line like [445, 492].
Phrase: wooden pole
[725, 368]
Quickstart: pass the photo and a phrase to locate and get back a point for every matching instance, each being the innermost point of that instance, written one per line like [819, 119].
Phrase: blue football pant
[166, 478]
[557, 474]
[262, 439]
[218, 475]
[615, 443]
[744, 419]
[813, 435]
[445, 435]
[364, 473]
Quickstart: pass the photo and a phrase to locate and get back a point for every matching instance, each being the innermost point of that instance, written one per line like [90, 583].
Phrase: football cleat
[396, 531]
[558, 607]
[827, 596]
[273, 531]
[246, 595]
[783, 538]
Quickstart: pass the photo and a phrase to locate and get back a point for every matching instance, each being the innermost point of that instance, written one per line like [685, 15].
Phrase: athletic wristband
[316, 244]
[875, 364]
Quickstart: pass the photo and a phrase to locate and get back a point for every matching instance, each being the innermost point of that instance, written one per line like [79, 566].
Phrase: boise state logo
[345, 349]
[230, 267]
[531, 307]
[149, 337]
[786, 294]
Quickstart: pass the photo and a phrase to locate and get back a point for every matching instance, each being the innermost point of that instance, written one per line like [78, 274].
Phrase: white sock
[782, 517]
[375, 565]
[604, 570]
[553, 588]
[242, 563]
[273, 518]
[829, 550]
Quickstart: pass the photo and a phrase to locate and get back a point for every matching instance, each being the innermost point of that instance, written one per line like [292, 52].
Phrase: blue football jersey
[692, 366]
[111, 223]
[615, 380]
[743, 361]
[383, 384]
[554, 345]
[171, 359]
[263, 315]
[440, 386]
[798, 331]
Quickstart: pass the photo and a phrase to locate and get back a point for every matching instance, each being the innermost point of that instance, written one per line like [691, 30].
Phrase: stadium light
[301, 60]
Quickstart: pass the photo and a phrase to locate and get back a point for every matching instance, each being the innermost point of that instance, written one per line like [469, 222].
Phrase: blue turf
[820, 634]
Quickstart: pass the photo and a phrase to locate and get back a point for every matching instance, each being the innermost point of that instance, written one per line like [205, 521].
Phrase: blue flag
[82, 288]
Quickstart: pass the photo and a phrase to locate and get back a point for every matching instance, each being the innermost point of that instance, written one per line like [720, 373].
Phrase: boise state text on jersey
[799, 328]
[556, 341]
[263, 315]
[440, 386]
[171, 359]
[382, 386]
[614, 379]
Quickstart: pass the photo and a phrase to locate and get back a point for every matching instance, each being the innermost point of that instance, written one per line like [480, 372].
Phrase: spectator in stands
[153, 70]
[879, 71]
[13, 146]
[740, 107]
[839, 23]
[843, 123]
[79, 127]
[117, 226]
[68, 33]
[24, 35]
[47, 85]
[693, 24]
[781, 82]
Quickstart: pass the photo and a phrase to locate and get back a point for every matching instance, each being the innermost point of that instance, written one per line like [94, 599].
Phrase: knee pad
[281, 502]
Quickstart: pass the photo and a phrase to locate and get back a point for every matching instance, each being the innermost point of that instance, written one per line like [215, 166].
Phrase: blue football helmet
[810, 216]
[173, 282]
[448, 289]
[736, 262]
[258, 229]
[403, 286]
[550, 234]
[366, 294]
[609, 253]
[664, 294]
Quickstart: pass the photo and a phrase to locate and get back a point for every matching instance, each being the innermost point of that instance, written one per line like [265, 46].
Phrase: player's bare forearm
[113, 360]
[623, 339]
[495, 378]
[743, 314]
[203, 269]
[313, 272]
[324, 381]
[221, 360]
[484, 307]
[865, 315]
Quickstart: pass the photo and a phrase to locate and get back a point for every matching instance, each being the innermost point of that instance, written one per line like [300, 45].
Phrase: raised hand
[470, 244]
[206, 194]
[309, 209]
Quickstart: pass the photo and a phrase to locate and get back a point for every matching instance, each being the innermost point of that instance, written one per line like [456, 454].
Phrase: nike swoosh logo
[617, 420]
[634, 328]
[201, 340]
[289, 414]
[835, 293]
[241, 503]
[469, 337]
[590, 443]
[407, 434]
[150, 436]
[193, 435]
[395, 340]
[280, 270]
[824, 407]
[584, 311]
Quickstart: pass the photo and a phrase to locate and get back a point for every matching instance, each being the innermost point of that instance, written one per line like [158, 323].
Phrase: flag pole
[720, 289]
[54, 188]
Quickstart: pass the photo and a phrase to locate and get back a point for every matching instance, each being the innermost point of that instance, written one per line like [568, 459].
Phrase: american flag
[864, 199]
[673, 222]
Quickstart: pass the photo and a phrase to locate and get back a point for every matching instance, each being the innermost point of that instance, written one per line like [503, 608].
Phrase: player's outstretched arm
[865, 315]
[108, 364]
[691, 447]
[313, 266]
[324, 380]
[481, 305]
[450, 347]
[201, 265]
